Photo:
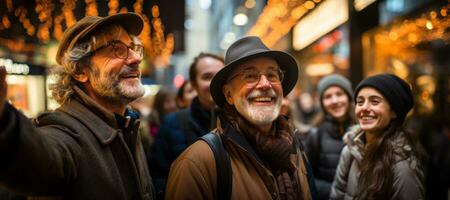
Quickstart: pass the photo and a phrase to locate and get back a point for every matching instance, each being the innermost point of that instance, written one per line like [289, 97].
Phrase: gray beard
[110, 88]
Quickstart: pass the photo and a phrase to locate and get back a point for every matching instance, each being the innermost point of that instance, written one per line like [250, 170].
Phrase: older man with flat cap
[253, 153]
[89, 147]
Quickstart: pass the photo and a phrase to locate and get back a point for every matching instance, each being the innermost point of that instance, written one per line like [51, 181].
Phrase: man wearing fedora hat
[265, 159]
[88, 148]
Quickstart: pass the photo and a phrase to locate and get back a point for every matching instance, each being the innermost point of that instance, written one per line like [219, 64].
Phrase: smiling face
[115, 78]
[373, 111]
[259, 102]
[336, 102]
[206, 68]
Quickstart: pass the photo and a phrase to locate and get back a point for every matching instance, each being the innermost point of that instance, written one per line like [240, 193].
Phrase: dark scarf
[274, 149]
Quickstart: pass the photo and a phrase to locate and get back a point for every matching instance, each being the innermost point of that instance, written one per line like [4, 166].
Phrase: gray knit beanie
[335, 80]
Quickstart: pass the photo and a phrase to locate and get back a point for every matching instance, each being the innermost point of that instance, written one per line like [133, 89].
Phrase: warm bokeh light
[158, 45]
[277, 19]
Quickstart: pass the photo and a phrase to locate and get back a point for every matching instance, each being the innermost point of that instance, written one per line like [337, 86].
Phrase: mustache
[129, 69]
[257, 93]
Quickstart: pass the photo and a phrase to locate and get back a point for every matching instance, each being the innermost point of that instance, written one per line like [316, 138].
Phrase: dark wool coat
[75, 152]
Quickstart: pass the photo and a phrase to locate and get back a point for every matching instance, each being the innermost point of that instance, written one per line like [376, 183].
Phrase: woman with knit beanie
[324, 143]
[381, 159]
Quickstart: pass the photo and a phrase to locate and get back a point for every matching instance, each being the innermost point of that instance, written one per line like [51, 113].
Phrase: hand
[3, 88]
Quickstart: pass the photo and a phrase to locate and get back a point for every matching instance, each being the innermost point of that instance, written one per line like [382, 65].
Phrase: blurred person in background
[381, 159]
[324, 142]
[164, 103]
[88, 148]
[304, 112]
[144, 106]
[185, 95]
[180, 129]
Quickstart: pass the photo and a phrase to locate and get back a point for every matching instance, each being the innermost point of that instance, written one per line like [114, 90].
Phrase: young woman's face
[373, 110]
[336, 102]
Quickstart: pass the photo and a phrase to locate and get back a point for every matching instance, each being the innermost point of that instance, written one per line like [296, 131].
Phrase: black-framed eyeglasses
[120, 49]
[253, 76]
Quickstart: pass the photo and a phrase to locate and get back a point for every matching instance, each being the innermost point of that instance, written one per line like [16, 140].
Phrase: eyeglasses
[253, 76]
[120, 49]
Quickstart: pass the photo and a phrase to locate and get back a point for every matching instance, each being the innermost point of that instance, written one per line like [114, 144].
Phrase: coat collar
[98, 119]
[355, 140]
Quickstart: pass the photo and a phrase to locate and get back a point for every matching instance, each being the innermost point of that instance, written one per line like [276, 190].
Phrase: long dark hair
[376, 179]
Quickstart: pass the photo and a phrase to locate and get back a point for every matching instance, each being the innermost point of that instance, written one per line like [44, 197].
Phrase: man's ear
[81, 75]
[227, 93]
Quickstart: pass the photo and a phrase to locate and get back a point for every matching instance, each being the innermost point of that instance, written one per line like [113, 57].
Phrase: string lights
[158, 46]
[278, 17]
[402, 37]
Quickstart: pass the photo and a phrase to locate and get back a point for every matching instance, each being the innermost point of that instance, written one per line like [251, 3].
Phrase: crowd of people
[230, 132]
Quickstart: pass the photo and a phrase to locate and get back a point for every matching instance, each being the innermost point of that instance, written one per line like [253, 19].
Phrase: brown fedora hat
[247, 48]
[131, 22]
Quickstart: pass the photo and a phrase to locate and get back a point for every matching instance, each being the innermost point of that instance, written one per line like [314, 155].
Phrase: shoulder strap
[223, 165]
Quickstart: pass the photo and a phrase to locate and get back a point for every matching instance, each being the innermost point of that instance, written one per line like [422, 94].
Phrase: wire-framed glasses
[253, 76]
[120, 49]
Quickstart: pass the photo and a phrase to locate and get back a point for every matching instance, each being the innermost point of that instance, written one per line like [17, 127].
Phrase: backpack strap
[223, 165]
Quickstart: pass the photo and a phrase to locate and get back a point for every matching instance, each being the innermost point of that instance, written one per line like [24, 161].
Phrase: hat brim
[286, 62]
[131, 22]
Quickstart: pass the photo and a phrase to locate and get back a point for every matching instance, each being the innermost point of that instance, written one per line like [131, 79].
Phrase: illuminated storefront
[321, 43]
[26, 87]
[416, 48]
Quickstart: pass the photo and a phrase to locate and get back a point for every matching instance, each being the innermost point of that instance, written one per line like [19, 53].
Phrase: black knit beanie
[397, 92]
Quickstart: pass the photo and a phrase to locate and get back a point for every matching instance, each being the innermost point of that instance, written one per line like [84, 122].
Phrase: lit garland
[401, 38]
[18, 45]
[278, 17]
[44, 9]
[5, 24]
[91, 8]
[67, 10]
[158, 47]
[113, 7]
[21, 12]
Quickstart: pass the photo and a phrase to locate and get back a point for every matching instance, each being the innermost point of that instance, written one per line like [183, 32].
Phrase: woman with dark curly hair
[381, 159]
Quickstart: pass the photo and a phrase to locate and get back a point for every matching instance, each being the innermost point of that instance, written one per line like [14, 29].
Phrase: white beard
[259, 115]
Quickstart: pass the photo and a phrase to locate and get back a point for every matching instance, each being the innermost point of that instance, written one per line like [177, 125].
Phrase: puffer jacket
[323, 146]
[78, 151]
[408, 182]
[193, 175]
